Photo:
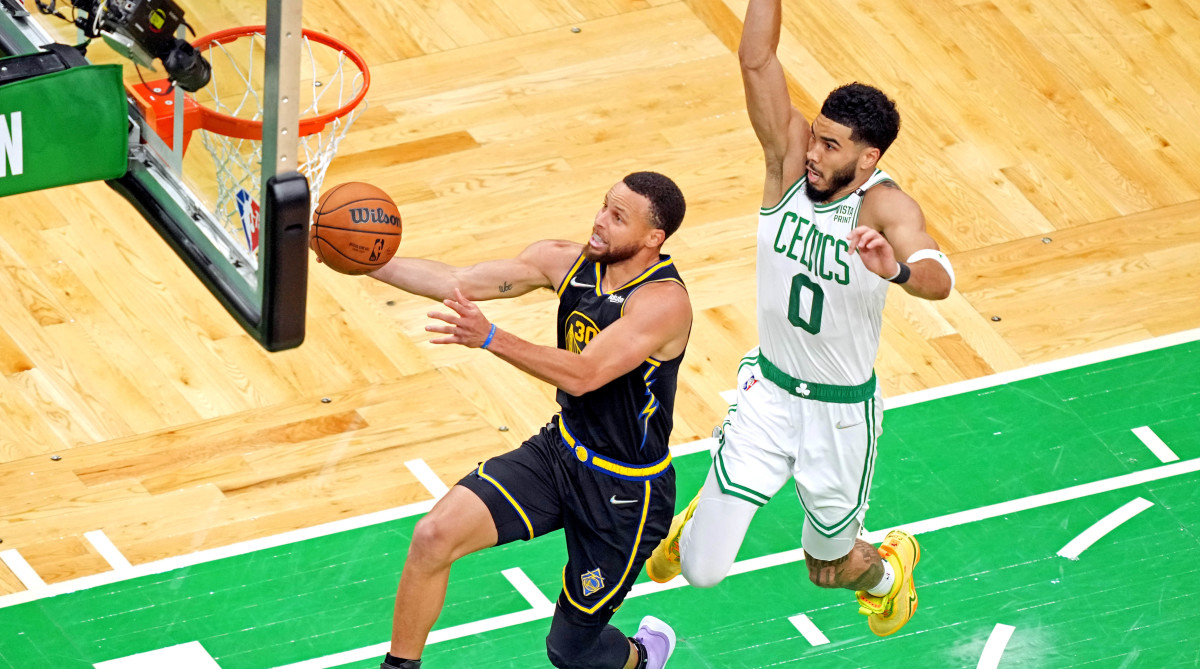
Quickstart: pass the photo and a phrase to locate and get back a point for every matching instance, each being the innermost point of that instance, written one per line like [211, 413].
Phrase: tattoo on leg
[859, 569]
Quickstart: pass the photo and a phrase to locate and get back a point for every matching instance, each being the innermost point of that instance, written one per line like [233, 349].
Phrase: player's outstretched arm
[541, 265]
[656, 323]
[892, 232]
[781, 128]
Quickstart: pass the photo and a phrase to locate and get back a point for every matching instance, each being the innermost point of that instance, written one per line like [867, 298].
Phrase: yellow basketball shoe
[663, 564]
[887, 614]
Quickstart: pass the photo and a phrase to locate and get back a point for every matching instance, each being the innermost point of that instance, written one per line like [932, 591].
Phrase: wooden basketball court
[1052, 145]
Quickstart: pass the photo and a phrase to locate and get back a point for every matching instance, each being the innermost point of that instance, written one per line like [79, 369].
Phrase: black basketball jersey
[628, 419]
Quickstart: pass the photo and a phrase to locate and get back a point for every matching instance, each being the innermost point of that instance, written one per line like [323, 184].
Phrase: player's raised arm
[781, 128]
[541, 265]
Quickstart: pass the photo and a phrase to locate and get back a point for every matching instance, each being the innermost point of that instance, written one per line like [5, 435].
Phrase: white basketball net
[329, 80]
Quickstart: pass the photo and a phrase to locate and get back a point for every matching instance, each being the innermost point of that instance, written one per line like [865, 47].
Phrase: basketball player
[600, 469]
[833, 231]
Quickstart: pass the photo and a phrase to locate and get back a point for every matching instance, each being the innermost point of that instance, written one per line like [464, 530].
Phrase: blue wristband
[491, 334]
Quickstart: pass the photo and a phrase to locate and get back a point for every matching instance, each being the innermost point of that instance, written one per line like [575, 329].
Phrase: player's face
[621, 226]
[832, 160]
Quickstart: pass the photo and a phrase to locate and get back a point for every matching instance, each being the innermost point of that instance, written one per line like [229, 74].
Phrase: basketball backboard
[235, 206]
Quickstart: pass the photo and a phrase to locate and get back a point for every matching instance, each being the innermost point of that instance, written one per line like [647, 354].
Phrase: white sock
[885, 584]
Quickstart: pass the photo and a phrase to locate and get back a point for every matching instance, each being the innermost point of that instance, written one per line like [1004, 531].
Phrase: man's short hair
[666, 200]
[870, 115]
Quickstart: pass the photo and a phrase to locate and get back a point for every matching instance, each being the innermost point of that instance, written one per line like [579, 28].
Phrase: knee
[563, 658]
[431, 543]
[566, 653]
[701, 574]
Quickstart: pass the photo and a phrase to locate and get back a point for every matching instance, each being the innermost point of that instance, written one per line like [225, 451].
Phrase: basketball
[356, 228]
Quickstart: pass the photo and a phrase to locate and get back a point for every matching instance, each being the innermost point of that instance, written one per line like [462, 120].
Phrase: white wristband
[932, 254]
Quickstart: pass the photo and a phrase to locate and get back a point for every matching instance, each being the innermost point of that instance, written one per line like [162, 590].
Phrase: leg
[460, 523]
[711, 539]
[606, 546]
[748, 468]
[860, 569]
[573, 643]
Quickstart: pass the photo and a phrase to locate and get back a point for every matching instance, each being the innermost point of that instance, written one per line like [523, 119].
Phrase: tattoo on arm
[859, 569]
[889, 184]
[505, 287]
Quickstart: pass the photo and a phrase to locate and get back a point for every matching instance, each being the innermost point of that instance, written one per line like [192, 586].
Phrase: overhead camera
[143, 30]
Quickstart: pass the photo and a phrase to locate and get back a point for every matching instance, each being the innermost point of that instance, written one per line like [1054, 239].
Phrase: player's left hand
[874, 249]
[467, 325]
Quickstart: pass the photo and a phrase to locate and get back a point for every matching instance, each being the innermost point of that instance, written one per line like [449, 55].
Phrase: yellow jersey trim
[616, 587]
[515, 505]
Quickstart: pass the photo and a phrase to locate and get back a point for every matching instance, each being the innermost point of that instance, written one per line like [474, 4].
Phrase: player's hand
[874, 249]
[466, 326]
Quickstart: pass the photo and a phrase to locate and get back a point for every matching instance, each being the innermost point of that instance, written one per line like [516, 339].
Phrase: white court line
[1157, 446]
[428, 478]
[699, 446]
[540, 607]
[1102, 527]
[994, 648]
[528, 590]
[190, 655]
[211, 554]
[793, 555]
[21, 569]
[387, 515]
[808, 630]
[1039, 369]
[107, 549]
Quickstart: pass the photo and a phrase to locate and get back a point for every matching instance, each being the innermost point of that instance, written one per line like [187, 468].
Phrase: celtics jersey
[820, 310]
[628, 418]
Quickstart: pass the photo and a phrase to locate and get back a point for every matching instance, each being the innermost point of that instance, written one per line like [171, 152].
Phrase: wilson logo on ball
[377, 215]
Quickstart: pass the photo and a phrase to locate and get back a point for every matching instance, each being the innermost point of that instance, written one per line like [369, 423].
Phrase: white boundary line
[1043, 368]
[107, 549]
[24, 573]
[699, 446]
[809, 630]
[1156, 445]
[994, 648]
[387, 515]
[241, 548]
[528, 590]
[1037, 369]
[427, 477]
[190, 655]
[1102, 527]
[787, 557]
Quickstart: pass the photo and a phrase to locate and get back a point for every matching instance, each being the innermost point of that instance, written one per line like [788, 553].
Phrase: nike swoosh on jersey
[581, 285]
[840, 426]
[614, 500]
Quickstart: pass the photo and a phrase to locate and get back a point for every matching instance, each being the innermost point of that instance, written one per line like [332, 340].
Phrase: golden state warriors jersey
[629, 418]
[820, 310]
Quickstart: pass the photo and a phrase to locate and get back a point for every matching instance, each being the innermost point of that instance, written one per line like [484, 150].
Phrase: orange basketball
[356, 228]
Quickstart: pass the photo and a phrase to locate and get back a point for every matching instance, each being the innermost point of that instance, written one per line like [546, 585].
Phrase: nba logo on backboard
[248, 212]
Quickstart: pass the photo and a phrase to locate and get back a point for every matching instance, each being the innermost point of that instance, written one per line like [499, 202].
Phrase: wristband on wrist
[491, 333]
[901, 274]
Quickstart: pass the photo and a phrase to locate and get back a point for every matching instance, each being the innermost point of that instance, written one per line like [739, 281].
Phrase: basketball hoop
[333, 85]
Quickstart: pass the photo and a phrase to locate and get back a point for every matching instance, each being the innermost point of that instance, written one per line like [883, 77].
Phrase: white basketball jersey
[820, 310]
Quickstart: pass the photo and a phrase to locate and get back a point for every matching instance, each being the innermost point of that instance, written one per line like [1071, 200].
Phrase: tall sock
[885, 584]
